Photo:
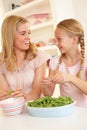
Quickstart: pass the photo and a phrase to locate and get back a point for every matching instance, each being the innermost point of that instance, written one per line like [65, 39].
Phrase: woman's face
[63, 40]
[22, 37]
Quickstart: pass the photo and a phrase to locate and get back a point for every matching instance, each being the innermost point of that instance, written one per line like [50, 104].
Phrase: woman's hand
[4, 96]
[17, 93]
[11, 93]
[47, 86]
[47, 81]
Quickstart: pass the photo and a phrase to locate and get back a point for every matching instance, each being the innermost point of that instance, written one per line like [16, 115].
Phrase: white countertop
[77, 121]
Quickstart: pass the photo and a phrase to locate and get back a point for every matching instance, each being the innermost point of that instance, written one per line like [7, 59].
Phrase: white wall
[80, 8]
[63, 9]
[0, 28]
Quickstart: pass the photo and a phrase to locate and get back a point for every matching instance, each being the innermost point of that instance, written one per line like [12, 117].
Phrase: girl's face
[63, 40]
[22, 37]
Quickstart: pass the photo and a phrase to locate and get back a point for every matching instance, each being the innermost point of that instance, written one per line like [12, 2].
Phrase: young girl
[69, 70]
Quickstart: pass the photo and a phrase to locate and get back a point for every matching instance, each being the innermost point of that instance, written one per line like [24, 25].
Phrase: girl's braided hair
[74, 27]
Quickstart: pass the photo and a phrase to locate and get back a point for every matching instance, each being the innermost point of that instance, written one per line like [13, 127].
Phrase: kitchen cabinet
[43, 17]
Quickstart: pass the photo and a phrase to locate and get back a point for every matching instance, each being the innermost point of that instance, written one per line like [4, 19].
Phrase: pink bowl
[12, 106]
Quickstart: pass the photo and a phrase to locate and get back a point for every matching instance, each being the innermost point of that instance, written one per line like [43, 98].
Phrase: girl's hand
[61, 78]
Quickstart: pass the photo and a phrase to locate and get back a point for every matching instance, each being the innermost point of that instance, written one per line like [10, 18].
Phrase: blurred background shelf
[51, 50]
[43, 16]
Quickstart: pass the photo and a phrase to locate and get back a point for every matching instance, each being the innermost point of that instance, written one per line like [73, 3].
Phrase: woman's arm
[4, 87]
[36, 88]
[48, 86]
[5, 91]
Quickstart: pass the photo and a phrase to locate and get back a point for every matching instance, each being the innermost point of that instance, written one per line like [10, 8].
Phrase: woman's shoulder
[42, 53]
[54, 61]
[2, 67]
[54, 57]
[41, 58]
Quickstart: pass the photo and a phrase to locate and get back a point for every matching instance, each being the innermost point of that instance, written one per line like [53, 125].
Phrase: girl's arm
[81, 84]
[64, 77]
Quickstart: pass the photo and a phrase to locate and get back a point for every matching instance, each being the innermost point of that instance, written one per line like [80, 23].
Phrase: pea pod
[9, 92]
[51, 102]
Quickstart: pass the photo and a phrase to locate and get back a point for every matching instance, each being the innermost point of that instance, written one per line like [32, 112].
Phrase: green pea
[9, 92]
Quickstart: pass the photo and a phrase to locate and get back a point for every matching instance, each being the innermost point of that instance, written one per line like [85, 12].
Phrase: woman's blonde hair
[8, 31]
[73, 27]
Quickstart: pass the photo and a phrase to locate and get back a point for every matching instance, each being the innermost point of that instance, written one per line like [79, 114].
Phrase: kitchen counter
[76, 121]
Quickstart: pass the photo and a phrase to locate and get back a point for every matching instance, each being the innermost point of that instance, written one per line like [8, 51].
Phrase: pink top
[69, 89]
[23, 77]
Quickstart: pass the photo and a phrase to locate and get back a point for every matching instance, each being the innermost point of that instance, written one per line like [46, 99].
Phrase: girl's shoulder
[85, 61]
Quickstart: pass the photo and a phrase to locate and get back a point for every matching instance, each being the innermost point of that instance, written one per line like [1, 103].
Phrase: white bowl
[12, 106]
[60, 111]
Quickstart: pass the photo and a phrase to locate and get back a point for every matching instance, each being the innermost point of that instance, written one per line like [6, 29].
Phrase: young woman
[22, 66]
[69, 70]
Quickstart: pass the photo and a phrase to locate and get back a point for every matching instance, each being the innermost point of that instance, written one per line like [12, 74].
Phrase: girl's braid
[82, 45]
